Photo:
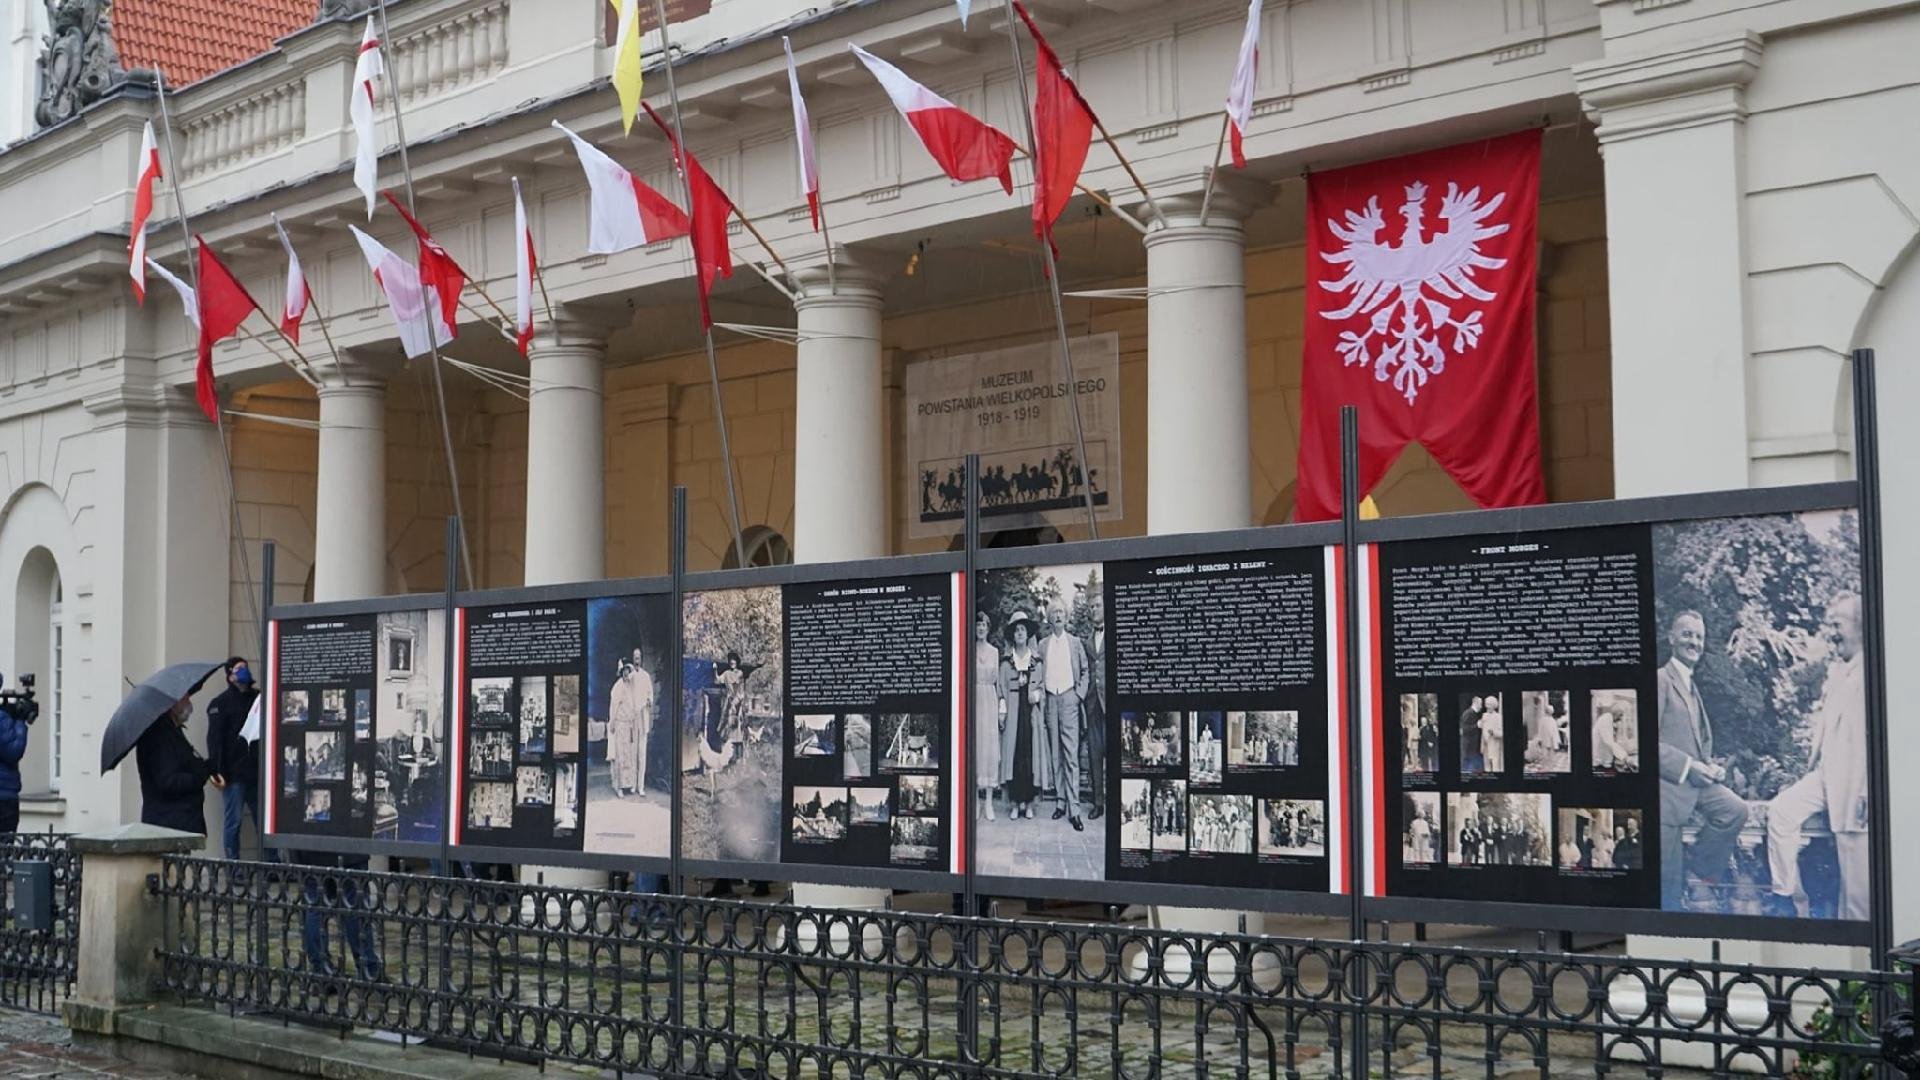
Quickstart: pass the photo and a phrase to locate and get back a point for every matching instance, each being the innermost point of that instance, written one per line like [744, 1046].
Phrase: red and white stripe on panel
[456, 751]
[961, 817]
[1337, 824]
[1372, 741]
[270, 716]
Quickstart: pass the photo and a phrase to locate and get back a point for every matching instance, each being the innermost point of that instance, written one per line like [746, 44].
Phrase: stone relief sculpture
[78, 62]
[342, 9]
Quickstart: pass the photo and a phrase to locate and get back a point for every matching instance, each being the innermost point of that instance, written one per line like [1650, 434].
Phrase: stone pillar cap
[137, 838]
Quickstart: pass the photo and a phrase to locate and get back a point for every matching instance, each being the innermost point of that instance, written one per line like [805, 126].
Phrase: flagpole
[1131, 175]
[193, 275]
[1206, 197]
[713, 361]
[426, 310]
[1053, 286]
[539, 279]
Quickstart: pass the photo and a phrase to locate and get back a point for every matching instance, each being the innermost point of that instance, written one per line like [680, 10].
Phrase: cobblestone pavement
[1042, 847]
[37, 1047]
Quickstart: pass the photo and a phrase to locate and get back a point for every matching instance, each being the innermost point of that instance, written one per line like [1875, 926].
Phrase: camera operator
[17, 713]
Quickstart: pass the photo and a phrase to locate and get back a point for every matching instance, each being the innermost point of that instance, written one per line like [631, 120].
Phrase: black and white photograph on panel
[1292, 828]
[293, 706]
[326, 756]
[819, 815]
[362, 715]
[1548, 725]
[732, 705]
[490, 703]
[1420, 736]
[1616, 732]
[533, 785]
[1136, 815]
[1206, 748]
[1151, 740]
[490, 755]
[1050, 704]
[291, 774]
[813, 735]
[1169, 820]
[1482, 725]
[565, 726]
[1269, 739]
[868, 805]
[522, 653]
[333, 707]
[490, 806]
[1598, 840]
[856, 746]
[1420, 828]
[630, 737]
[1499, 828]
[362, 791]
[869, 670]
[915, 840]
[410, 745]
[1219, 685]
[1761, 706]
[532, 704]
[319, 805]
[909, 742]
[566, 798]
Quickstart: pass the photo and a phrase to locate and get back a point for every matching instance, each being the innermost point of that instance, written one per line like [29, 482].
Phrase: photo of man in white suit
[1691, 782]
[1066, 675]
[1836, 779]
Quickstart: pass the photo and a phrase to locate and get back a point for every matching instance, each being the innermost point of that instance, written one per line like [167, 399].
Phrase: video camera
[19, 704]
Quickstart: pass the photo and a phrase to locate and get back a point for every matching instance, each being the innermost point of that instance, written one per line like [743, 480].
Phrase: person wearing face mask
[230, 757]
[172, 774]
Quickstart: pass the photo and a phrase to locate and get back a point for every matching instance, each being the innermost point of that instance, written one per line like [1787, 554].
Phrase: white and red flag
[149, 171]
[1063, 126]
[712, 252]
[224, 304]
[525, 266]
[803, 140]
[1421, 274]
[1246, 75]
[366, 128]
[622, 212]
[298, 294]
[966, 147]
[406, 298]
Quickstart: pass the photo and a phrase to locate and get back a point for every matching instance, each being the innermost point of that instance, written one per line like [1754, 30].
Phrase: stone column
[566, 457]
[1199, 448]
[839, 456]
[120, 923]
[1672, 131]
[566, 486]
[350, 526]
[1199, 454]
[839, 453]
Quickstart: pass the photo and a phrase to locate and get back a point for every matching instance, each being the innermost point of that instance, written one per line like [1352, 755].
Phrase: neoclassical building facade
[1728, 208]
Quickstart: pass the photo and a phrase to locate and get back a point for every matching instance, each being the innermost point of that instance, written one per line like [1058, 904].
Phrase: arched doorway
[39, 646]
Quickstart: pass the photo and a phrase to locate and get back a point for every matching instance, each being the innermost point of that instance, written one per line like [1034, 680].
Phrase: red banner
[1420, 312]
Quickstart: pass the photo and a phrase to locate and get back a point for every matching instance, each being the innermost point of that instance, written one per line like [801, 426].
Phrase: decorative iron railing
[38, 965]
[681, 986]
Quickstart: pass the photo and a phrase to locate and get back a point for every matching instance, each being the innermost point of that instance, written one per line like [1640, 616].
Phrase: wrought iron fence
[37, 966]
[683, 986]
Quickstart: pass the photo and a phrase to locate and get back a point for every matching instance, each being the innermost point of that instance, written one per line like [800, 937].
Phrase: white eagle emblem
[1389, 282]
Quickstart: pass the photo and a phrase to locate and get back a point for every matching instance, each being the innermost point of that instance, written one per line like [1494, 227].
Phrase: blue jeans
[357, 931]
[235, 801]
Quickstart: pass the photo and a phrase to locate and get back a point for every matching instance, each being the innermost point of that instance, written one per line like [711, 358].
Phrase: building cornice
[1699, 82]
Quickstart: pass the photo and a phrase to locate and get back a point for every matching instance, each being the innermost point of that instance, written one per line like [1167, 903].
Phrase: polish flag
[441, 274]
[224, 305]
[623, 213]
[525, 267]
[298, 294]
[803, 138]
[409, 303]
[1240, 93]
[149, 165]
[366, 128]
[966, 147]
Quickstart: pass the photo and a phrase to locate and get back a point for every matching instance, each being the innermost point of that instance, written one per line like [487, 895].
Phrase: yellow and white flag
[626, 60]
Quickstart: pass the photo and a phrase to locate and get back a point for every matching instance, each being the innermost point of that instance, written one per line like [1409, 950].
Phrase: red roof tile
[188, 40]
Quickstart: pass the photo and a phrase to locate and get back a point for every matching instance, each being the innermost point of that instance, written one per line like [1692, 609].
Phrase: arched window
[765, 547]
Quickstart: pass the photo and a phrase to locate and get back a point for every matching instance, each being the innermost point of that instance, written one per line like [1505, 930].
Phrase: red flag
[438, 271]
[1421, 275]
[965, 147]
[1063, 126]
[712, 254]
[224, 304]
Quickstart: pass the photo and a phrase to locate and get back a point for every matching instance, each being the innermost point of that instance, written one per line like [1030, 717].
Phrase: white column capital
[850, 281]
[1234, 198]
[350, 377]
[1699, 82]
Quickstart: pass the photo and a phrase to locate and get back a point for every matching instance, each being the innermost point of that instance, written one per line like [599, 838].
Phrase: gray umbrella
[147, 704]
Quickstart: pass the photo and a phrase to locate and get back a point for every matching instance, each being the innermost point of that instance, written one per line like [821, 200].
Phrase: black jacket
[228, 754]
[171, 778]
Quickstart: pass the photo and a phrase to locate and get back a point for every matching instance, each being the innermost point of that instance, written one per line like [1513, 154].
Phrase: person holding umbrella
[172, 773]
